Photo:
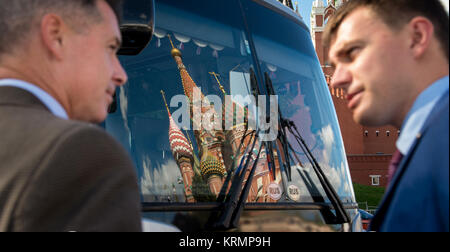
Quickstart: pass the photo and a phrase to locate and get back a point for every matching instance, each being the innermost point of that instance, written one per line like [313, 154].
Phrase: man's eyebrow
[343, 49]
[331, 63]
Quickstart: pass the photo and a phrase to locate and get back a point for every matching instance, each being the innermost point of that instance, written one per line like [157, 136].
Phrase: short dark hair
[396, 14]
[17, 17]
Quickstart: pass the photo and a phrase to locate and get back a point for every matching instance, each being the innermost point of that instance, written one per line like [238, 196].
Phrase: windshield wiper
[234, 203]
[341, 214]
[235, 199]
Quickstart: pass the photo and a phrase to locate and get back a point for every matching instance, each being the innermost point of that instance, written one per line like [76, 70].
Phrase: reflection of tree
[287, 99]
[293, 107]
[289, 109]
[201, 191]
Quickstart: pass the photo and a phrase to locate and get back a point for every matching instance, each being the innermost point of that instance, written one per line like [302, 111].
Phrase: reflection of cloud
[146, 180]
[124, 111]
[337, 175]
[159, 180]
[327, 137]
[338, 178]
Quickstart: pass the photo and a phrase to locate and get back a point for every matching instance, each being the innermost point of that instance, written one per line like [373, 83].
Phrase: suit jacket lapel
[431, 119]
[376, 223]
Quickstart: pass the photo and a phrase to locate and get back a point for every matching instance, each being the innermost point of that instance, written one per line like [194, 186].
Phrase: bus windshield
[219, 50]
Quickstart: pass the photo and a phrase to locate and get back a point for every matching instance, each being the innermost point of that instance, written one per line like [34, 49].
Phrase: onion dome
[211, 166]
[178, 141]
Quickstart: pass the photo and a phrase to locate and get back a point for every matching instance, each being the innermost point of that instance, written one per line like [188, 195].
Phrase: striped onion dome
[178, 141]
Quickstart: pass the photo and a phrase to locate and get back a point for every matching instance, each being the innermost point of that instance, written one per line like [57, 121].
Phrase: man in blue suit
[392, 59]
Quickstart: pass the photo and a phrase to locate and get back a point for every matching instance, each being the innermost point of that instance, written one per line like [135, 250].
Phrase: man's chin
[100, 118]
[367, 119]
[361, 117]
[96, 118]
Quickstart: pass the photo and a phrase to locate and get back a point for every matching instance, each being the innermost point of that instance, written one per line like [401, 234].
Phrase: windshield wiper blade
[244, 195]
[282, 136]
[234, 204]
[224, 189]
[328, 216]
[223, 192]
[225, 218]
[341, 214]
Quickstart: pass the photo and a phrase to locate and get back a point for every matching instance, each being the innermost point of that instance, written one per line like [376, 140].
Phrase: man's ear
[52, 33]
[421, 34]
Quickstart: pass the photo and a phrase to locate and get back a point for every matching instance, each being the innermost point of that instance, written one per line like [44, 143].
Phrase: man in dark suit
[392, 59]
[58, 72]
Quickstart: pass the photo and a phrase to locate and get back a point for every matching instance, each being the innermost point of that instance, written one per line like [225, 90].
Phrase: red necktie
[393, 166]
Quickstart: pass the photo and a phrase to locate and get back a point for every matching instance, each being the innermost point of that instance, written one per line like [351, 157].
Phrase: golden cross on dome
[171, 42]
[218, 82]
[165, 102]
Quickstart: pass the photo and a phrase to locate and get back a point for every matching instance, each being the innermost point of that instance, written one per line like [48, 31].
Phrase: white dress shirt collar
[51, 103]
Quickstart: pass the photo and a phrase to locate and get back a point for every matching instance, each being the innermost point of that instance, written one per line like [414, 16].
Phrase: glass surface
[214, 49]
[178, 164]
[286, 54]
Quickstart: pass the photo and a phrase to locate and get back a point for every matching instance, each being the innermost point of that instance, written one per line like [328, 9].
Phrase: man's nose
[342, 77]
[120, 76]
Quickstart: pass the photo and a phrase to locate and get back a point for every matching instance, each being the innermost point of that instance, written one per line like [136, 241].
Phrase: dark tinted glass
[176, 164]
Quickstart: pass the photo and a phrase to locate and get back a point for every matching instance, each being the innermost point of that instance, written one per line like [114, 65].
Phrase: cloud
[337, 174]
[159, 181]
[124, 111]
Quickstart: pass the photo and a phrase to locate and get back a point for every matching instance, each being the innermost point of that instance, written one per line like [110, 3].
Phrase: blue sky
[305, 9]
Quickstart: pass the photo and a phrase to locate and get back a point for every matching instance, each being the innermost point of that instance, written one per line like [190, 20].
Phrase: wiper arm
[237, 196]
[234, 201]
[341, 214]
[223, 191]
[244, 195]
[282, 136]
[328, 216]
[234, 205]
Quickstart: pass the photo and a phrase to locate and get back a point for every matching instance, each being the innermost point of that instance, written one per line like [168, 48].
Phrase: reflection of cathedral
[215, 145]
[183, 154]
[369, 149]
